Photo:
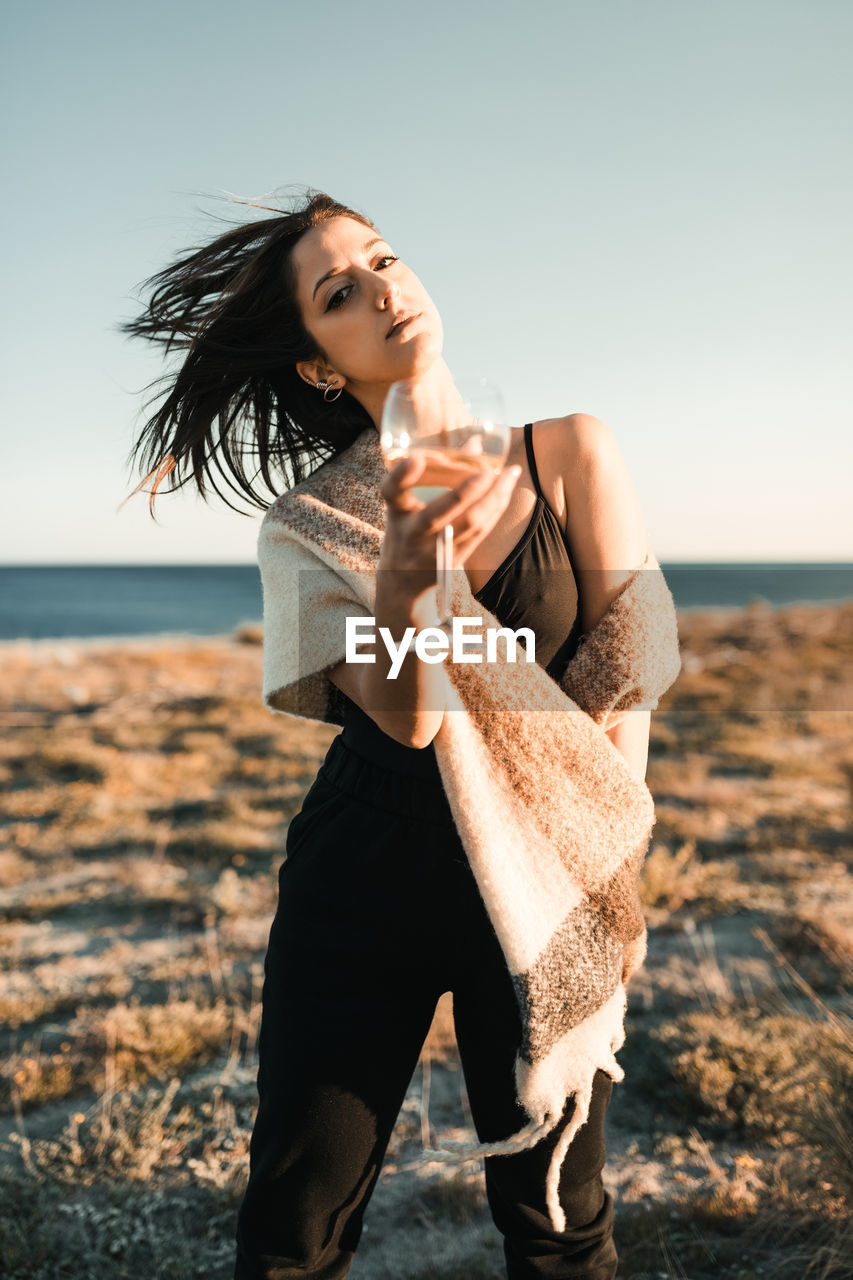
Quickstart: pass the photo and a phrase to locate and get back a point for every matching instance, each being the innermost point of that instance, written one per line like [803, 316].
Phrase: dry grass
[145, 798]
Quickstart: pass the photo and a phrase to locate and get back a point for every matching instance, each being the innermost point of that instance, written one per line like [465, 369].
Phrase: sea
[43, 602]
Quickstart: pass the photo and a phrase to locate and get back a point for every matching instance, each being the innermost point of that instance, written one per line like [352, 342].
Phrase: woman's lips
[399, 326]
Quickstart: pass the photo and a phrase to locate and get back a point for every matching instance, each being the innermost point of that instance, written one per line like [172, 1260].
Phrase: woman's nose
[388, 293]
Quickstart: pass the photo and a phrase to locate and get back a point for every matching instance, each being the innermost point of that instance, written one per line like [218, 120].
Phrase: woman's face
[368, 312]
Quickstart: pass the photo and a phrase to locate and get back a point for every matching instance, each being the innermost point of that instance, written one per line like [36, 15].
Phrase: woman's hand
[473, 507]
[410, 708]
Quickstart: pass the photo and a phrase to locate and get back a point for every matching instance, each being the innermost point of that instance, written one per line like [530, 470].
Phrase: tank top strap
[531, 460]
[534, 475]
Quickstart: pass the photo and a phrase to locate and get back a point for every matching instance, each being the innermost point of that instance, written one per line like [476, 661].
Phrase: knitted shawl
[554, 824]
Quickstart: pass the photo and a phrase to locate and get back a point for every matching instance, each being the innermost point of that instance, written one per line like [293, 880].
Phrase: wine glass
[458, 431]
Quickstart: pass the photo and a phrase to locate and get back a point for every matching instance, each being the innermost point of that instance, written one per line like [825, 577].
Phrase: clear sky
[636, 210]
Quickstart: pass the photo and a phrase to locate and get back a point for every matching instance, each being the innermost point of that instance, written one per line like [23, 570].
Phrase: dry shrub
[17, 1009]
[670, 878]
[125, 1045]
[156, 1135]
[52, 763]
[748, 1072]
[821, 946]
[138, 1042]
[126, 1132]
[827, 1120]
[714, 1233]
[673, 878]
[30, 1079]
[807, 1248]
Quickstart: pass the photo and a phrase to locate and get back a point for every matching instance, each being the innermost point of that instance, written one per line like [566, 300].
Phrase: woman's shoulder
[566, 449]
[581, 466]
[572, 436]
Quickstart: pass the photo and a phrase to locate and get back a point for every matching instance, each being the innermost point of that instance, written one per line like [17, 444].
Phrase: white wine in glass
[458, 432]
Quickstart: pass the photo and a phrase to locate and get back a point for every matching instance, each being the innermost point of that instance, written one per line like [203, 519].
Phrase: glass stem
[444, 564]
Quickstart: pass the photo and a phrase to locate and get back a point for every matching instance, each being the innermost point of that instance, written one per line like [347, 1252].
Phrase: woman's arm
[606, 531]
[631, 737]
[410, 708]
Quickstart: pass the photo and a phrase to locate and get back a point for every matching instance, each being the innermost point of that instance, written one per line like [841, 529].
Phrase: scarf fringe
[543, 1090]
[453, 1152]
[583, 1099]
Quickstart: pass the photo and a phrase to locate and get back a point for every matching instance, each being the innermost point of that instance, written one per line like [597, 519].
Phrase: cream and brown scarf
[554, 824]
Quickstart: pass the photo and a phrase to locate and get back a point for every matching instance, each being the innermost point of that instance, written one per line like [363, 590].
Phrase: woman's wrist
[405, 599]
[405, 591]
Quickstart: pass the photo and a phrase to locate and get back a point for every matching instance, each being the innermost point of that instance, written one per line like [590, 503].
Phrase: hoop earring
[326, 387]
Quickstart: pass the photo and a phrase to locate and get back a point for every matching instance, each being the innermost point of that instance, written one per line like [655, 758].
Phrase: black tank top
[534, 587]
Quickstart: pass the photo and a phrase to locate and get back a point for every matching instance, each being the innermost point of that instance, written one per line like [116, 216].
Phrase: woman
[295, 327]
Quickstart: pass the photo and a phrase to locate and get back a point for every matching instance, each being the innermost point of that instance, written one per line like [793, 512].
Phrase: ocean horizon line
[825, 562]
[240, 633]
[70, 601]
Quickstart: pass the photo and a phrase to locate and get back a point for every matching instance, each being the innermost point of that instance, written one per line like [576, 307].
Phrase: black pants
[378, 915]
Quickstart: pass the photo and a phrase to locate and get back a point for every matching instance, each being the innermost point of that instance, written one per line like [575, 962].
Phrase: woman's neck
[435, 385]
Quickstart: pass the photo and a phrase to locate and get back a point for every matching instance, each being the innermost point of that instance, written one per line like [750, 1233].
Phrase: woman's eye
[338, 298]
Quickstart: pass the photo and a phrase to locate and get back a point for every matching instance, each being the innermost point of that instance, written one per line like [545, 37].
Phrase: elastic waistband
[376, 783]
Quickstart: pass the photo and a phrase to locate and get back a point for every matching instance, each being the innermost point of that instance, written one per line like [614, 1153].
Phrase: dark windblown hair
[237, 409]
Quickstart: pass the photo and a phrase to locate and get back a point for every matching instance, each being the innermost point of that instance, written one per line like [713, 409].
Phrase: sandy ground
[146, 797]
